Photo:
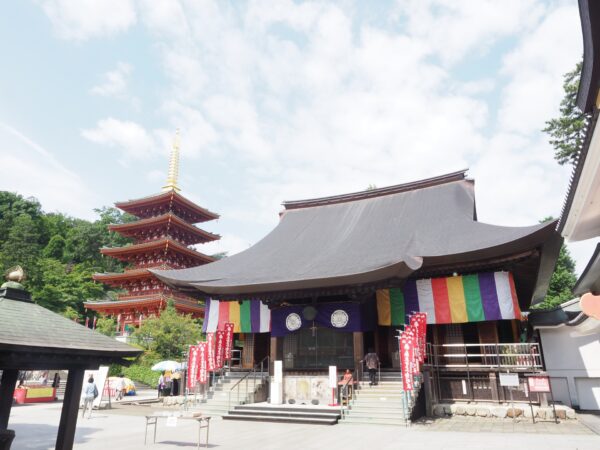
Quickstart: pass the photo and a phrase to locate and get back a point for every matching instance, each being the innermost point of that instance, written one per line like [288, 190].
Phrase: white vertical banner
[332, 376]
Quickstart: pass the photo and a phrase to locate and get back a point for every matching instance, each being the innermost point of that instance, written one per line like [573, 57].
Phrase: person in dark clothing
[372, 362]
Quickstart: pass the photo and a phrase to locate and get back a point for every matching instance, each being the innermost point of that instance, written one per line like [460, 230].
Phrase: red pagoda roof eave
[137, 303]
[208, 236]
[128, 273]
[153, 245]
[130, 205]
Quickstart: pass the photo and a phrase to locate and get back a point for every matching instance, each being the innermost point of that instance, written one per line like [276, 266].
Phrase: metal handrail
[245, 378]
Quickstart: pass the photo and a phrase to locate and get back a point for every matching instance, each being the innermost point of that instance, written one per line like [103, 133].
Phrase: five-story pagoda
[161, 239]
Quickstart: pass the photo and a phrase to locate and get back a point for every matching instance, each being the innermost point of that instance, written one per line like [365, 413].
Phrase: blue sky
[283, 100]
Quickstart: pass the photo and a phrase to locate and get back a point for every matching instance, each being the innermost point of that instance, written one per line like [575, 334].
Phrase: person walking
[372, 362]
[161, 384]
[120, 388]
[90, 392]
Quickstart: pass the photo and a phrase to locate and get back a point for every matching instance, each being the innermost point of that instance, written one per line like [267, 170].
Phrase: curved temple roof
[353, 240]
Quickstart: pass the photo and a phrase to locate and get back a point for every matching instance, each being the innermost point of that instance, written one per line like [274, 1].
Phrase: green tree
[562, 282]
[106, 326]
[170, 334]
[567, 131]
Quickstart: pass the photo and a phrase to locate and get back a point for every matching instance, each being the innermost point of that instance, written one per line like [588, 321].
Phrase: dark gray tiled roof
[23, 323]
[355, 239]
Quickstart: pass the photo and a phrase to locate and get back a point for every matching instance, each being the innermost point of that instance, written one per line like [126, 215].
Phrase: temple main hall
[341, 275]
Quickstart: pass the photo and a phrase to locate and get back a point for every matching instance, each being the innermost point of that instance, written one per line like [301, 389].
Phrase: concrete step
[269, 412]
[282, 419]
[359, 421]
[375, 415]
[392, 409]
[284, 408]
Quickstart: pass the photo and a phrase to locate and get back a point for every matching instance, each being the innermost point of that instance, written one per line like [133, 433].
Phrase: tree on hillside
[59, 253]
[567, 131]
[168, 335]
[562, 282]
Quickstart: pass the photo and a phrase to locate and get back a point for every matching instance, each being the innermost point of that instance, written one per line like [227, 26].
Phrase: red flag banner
[210, 343]
[407, 357]
[192, 370]
[228, 339]
[203, 363]
[219, 349]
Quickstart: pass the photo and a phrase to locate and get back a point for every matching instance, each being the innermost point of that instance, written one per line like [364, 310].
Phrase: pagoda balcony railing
[496, 357]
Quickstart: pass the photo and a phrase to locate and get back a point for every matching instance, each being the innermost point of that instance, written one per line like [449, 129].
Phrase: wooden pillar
[70, 410]
[7, 387]
[359, 346]
[273, 352]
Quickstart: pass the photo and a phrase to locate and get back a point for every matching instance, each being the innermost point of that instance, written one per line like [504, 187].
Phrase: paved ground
[123, 428]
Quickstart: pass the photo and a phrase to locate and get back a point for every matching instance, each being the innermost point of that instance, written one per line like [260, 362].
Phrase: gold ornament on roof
[173, 166]
[14, 276]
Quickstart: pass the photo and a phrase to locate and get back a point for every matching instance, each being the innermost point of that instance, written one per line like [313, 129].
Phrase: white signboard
[509, 379]
[278, 372]
[99, 379]
[171, 421]
[332, 376]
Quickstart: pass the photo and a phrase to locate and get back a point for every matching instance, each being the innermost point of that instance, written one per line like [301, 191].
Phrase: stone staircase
[285, 414]
[219, 402]
[382, 404]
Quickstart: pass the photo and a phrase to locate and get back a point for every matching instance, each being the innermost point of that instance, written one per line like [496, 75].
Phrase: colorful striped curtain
[251, 316]
[460, 299]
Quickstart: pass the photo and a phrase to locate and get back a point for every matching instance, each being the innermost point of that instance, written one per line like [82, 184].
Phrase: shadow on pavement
[40, 436]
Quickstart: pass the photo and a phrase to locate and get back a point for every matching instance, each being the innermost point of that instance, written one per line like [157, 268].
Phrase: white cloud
[31, 170]
[115, 83]
[129, 137]
[287, 100]
[83, 19]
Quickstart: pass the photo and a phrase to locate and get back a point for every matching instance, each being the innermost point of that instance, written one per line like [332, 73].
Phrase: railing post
[468, 373]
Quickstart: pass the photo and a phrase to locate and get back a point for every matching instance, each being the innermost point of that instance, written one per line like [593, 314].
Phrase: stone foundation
[500, 411]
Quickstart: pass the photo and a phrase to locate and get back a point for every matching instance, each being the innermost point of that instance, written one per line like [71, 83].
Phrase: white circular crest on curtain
[293, 322]
[339, 318]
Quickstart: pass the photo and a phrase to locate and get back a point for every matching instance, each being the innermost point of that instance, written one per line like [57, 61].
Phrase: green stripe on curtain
[473, 298]
[245, 317]
[397, 306]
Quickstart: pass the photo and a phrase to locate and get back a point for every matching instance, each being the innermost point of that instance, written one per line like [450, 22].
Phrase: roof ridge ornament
[173, 174]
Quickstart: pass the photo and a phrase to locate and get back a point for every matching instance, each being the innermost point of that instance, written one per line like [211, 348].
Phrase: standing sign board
[509, 379]
[100, 376]
[539, 384]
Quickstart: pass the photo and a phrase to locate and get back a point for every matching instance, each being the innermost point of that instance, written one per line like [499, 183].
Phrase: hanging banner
[210, 344]
[228, 339]
[219, 349]
[248, 316]
[406, 356]
[192, 370]
[457, 299]
[203, 362]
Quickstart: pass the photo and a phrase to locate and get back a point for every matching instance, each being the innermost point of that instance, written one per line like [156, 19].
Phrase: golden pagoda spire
[173, 166]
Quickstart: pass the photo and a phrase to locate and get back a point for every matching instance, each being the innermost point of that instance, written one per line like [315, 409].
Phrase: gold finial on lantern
[14, 276]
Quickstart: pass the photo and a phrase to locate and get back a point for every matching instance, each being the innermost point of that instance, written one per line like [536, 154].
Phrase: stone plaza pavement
[123, 428]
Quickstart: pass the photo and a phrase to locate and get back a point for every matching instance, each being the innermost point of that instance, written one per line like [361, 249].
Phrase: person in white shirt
[120, 388]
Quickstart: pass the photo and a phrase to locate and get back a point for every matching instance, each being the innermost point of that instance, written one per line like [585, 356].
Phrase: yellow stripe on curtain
[384, 311]
[456, 298]
[234, 316]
